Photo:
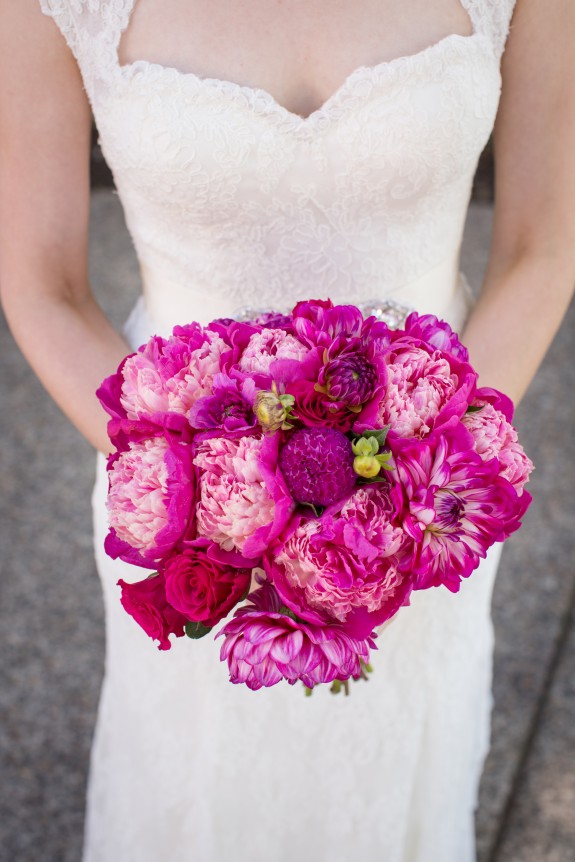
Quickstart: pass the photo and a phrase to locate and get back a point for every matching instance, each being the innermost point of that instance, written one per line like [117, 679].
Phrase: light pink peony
[495, 437]
[268, 345]
[150, 500]
[344, 567]
[422, 388]
[240, 506]
[264, 644]
[170, 379]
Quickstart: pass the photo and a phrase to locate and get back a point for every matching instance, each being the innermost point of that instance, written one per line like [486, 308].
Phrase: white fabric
[233, 200]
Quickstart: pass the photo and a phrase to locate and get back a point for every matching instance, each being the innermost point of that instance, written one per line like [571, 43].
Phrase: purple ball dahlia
[317, 464]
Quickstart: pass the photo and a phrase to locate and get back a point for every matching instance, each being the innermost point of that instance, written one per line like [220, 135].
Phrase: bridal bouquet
[310, 470]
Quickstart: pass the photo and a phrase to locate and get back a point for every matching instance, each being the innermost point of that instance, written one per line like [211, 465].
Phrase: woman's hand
[45, 128]
[531, 273]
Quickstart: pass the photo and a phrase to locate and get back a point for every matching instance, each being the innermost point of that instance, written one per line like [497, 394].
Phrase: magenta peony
[345, 566]
[318, 322]
[202, 585]
[436, 333]
[146, 602]
[457, 506]
[317, 464]
[229, 408]
[263, 645]
[150, 500]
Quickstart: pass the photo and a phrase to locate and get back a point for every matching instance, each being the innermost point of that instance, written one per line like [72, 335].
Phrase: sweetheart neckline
[264, 98]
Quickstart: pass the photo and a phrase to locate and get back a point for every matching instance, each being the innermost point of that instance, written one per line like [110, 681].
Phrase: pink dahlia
[317, 464]
[263, 645]
[495, 437]
[423, 388]
[150, 500]
[458, 506]
[244, 502]
[345, 566]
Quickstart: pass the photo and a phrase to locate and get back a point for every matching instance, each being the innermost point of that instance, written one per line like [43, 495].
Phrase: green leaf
[383, 459]
[317, 510]
[380, 434]
[196, 630]
[474, 408]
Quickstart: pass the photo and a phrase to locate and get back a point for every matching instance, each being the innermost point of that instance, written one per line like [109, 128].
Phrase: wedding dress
[232, 201]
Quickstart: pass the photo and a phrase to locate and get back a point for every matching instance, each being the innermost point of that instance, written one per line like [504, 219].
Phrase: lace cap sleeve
[494, 17]
[62, 12]
[92, 29]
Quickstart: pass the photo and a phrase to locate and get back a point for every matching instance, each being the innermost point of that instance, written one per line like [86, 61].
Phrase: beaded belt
[392, 313]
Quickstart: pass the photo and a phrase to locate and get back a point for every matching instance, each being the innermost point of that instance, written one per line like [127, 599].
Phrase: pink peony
[146, 602]
[150, 500]
[157, 385]
[345, 566]
[195, 379]
[495, 437]
[457, 506]
[202, 585]
[264, 644]
[244, 502]
[268, 345]
[423, 388]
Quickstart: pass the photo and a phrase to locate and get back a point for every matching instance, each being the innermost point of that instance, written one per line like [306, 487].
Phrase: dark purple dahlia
[350, 378]
[317, 464]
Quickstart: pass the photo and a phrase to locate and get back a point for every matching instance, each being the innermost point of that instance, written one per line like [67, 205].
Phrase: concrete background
[51, 618]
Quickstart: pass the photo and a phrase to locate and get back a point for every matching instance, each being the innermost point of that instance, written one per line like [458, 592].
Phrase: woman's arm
[44, 210]
[531, 273]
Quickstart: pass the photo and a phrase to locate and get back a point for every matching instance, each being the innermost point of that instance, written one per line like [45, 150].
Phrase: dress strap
[92, 30]
[492, 17]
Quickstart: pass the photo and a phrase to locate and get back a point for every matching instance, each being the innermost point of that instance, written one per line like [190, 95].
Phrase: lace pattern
[231, 194]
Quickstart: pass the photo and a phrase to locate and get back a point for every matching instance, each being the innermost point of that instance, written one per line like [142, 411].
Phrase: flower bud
[366, 466]
[365, 446]
[269, 410]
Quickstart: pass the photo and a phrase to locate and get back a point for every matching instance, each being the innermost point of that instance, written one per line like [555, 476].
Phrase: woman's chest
[298, 52]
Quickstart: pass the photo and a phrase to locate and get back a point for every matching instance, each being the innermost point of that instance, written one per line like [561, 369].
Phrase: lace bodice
[233, 200]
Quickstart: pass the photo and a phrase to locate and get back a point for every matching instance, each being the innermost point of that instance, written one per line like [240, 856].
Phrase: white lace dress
[233, 200]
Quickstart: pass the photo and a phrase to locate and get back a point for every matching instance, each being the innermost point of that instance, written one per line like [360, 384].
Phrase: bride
[265, 152]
